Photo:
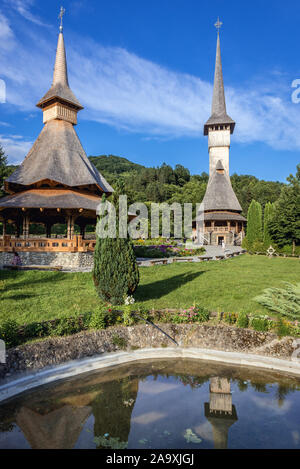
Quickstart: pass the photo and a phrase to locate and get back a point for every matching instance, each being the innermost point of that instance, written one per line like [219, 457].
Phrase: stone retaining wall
[68, 260]
[58, 350]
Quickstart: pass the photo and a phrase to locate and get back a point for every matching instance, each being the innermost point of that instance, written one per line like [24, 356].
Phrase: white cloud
[23, 8]
[7, 39]
[15, 147]
[129, 92]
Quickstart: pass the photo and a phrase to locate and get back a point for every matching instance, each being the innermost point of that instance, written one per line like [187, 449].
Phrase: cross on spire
[60, 16]
[218, 25]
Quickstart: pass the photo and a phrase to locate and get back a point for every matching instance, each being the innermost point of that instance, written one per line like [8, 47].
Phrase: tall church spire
[60, 90]
[218, 111]
[60, 74]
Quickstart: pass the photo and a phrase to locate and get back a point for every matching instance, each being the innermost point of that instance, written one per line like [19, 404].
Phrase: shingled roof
[219, 194]
[219, 115]
[52, 199]
[57, 155]
[60, 85]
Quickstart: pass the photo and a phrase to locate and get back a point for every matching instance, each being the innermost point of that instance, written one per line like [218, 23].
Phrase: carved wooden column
[18, 229]
[70, 226]
[26, 224]
[4, 227]
[48, 230]
[82, 231]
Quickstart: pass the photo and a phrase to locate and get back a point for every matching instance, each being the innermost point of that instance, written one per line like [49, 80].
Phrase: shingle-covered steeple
[219, 194]
[60, 89]
[57, 155]
[219, 115]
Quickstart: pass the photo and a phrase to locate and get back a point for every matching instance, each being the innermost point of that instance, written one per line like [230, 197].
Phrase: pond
[170, 404]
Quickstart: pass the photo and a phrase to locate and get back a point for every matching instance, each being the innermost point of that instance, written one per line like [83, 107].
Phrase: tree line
[277, 223]
[167, 184]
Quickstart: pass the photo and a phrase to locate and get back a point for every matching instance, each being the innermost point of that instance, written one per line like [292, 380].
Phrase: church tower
[223, 222]
[219, 126]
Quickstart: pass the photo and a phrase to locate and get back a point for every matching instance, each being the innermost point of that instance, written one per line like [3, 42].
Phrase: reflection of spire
[59, 429]
[219, 411]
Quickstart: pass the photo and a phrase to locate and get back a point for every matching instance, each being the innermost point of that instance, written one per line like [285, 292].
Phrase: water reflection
[162, 404]
[220, 412]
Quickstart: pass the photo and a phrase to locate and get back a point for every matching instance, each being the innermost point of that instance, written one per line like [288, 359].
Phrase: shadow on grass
[21, 279]
[165, 286]
[19, 297]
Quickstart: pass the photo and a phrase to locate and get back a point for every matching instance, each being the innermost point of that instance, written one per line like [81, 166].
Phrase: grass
[228, 285]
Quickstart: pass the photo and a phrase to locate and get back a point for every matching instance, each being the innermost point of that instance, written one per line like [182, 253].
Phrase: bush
[9, 333]
[246, 245]
[242, 320]
[115, 271]
[260, 324]
[192, 315]
[98, 319]
[152, 252]
[65, 326]
[284, 328]
[285, 301]
[258, 246]
[35, 329]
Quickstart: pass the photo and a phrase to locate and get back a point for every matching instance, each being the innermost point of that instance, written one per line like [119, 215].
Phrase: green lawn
[227, 285]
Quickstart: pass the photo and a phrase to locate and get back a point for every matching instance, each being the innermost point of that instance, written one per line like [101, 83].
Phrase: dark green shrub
[242, 320]
[115, 273]
[35, 329]
[65, 326]
[9, 333]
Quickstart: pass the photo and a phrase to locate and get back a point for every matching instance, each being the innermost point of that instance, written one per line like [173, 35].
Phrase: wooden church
[56, 183]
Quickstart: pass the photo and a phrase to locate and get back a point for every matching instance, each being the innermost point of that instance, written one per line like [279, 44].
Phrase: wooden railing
[77, 244]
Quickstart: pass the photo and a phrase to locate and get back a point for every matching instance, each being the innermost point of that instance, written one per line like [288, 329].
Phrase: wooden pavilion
[56, 183]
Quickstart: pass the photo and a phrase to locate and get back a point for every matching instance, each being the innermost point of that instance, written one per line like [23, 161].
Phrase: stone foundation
[67, 260]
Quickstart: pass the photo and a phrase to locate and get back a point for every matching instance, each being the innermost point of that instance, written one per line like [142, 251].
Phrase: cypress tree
[268, 215]
[285, 225]
[254, 223]
[115, 273]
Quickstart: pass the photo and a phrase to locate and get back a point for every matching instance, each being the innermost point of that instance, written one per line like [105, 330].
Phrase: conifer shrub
[285, 301]
[115, 274]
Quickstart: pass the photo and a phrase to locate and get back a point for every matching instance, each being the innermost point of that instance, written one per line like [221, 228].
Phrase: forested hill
[167, 184]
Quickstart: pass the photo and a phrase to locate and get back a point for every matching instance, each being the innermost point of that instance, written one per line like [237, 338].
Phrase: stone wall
[56, 350]
[68, 260]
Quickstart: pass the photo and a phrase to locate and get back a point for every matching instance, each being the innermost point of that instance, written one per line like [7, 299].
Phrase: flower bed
[166, 250]
[14, 334]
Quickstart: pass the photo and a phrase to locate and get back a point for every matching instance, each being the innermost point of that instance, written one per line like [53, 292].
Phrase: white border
[76, 367]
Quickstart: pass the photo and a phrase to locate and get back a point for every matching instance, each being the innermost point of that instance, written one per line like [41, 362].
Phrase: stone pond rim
[56, 358]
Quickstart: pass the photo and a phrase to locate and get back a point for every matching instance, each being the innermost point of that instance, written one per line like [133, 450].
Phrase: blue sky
[143, 69]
